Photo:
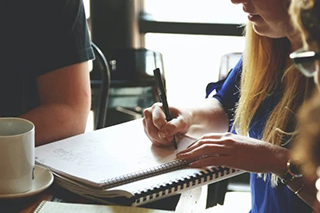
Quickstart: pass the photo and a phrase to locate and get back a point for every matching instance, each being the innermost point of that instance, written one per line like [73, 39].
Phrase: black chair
[132, 83]
[100, 86]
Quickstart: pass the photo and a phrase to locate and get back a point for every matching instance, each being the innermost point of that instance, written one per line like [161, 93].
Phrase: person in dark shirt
[44, 53]
[251, 119]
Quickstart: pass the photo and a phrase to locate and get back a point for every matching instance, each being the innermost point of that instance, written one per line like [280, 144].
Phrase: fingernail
[161, 135]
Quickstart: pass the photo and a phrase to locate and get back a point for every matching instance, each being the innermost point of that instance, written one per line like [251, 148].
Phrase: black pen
[163, 98]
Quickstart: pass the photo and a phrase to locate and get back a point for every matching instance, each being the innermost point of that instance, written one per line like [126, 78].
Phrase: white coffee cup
[16, 155]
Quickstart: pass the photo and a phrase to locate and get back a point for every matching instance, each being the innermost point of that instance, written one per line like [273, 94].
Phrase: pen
[163, 98]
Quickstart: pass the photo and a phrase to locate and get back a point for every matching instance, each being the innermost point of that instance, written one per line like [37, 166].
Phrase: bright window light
[205, 11]
[191, 62]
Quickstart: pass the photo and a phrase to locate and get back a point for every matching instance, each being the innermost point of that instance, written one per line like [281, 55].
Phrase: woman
[306, 19]
[262, 113]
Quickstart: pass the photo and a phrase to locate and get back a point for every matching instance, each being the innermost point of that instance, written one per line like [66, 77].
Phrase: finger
[201, 142]
[189, 148]
[192, 144]
[151, 130]
[217, 160]
[175, 126]
[193, 154]
[203, 148]
[158, 116]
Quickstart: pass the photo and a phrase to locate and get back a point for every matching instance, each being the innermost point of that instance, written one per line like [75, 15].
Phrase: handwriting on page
[106, 154]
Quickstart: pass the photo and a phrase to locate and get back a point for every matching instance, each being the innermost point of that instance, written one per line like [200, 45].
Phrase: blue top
[264, 198]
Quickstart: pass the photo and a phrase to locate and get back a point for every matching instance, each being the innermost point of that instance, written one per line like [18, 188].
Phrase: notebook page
[112, 152]
[53, 207]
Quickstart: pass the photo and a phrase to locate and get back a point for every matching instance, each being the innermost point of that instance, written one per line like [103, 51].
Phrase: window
[192, 58]
[197, 11]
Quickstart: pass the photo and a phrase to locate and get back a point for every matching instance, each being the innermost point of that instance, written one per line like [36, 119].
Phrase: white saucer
[43, 179]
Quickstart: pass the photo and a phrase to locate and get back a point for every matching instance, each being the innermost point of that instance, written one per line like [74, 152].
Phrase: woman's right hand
[159, 130]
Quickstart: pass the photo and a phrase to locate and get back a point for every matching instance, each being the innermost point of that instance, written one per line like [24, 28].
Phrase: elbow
[76, 120]
[81, 118]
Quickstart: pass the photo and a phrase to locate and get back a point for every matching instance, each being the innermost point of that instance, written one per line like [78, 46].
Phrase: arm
[65, 100]
[208, 117]
[247, 154]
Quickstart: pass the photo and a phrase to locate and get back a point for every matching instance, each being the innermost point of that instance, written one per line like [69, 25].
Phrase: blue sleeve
[228, 90]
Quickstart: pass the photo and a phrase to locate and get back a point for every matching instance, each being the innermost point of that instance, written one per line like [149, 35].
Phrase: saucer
[43, 179]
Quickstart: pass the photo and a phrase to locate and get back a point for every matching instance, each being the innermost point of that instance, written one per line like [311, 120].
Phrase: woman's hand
[159, 130]
[236, 151]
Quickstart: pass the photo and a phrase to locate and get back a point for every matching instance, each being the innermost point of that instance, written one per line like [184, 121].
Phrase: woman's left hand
[236, 151]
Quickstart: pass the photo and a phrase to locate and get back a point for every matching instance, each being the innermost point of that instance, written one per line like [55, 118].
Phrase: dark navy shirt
[37, 37]
[265, 199]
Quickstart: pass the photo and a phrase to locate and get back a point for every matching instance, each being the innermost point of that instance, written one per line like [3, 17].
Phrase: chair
[100, 86]
[133, 85]
[228, 61]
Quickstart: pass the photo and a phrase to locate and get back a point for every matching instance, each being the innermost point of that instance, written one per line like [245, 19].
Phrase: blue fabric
[264, 197]
[227, 91]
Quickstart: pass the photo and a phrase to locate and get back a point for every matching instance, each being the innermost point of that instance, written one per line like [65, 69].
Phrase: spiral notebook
[120, 165]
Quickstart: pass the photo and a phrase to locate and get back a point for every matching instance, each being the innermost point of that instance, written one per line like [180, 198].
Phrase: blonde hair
[264, 69]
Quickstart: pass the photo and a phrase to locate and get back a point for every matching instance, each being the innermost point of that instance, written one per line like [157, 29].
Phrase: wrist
[280, 157]
[292, 172]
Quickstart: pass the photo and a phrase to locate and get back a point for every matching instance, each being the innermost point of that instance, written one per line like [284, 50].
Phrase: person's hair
[264, 69]
[305, 17]
[307, 144]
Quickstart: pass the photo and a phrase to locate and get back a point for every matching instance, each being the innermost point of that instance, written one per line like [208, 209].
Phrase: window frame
[147, 25]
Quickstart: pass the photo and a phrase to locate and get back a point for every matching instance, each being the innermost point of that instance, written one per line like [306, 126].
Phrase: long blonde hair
[264, 69]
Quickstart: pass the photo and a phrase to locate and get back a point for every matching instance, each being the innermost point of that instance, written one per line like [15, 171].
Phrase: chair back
[100, 86]
[228, 61]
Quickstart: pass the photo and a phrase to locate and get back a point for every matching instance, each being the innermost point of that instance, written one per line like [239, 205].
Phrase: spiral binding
[38, 209]
[199, 178]
[142, 174]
